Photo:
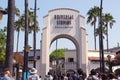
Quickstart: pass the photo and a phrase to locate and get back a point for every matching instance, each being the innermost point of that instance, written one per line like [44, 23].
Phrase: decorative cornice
[63, 9]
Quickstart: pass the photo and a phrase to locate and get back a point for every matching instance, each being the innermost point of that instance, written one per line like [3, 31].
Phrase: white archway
[63, 23]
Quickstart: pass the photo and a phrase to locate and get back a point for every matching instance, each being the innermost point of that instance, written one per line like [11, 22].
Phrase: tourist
[6, 74]
[80, 74]
[48, 76]
[33, 74]
[92, 75]
[55, 77]
[84, 75]
[103, 77]
[74, 76]
[69, 76]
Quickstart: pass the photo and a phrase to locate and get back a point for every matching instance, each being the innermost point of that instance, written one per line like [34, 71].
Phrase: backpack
[32, 77]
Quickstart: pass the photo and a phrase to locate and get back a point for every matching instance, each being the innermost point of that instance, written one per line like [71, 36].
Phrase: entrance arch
[63, 23]
[67, 37]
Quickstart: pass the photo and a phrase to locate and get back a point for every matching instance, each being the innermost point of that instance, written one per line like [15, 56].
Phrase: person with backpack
[33, 74]
[48, 76]
[92, 75]
[80, 74]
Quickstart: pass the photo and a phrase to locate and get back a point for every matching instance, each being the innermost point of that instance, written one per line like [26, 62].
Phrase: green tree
[108, 20]
[57, 54]
[2, 45]
[93, 13]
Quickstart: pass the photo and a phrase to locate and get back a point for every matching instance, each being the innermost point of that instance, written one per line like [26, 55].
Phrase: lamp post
[25, 68]
[26, 48]
[34, 33]
[102, 66]
[34, 46]
[109, 63]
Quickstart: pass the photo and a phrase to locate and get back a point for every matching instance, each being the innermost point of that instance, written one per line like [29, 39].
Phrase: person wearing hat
[33, 74]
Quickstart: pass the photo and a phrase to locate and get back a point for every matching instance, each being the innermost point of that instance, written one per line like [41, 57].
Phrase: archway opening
[63, 47]
[62, 43]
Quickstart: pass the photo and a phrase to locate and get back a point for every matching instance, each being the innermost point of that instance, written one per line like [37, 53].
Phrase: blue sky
[109, 6]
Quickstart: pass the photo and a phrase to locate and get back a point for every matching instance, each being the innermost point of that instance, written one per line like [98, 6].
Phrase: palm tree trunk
[17, 40]
[107, 36]
[34, 46]
[10, 35]
[94, 36]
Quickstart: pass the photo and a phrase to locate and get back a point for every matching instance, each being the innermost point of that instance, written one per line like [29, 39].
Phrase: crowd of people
[78, 75]
[102, 76]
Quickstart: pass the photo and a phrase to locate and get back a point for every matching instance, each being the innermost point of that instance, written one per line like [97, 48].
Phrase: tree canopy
[2, 45]
[60, 53]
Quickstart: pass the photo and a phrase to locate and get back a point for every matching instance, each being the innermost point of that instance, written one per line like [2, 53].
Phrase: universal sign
[63, 21]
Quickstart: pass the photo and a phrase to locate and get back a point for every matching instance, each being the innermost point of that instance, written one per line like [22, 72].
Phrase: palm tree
[93, 13]
[108, 19]
[10, 35]
[33, 26]
[30, 21]
[19, 25]
[16, 10]
[103, 31]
